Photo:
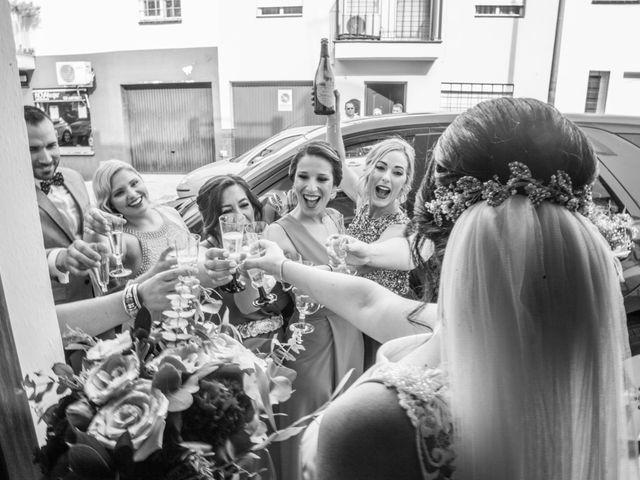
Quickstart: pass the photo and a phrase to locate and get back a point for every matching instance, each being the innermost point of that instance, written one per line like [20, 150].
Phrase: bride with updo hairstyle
[523, 376]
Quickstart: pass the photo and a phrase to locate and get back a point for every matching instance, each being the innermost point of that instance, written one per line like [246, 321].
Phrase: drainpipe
[555, 60]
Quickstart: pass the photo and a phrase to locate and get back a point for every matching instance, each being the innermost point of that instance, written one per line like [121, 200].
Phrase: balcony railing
[389, 20]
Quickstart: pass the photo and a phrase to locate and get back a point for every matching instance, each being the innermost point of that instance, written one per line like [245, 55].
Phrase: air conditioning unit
[363, 26]
[74, 74]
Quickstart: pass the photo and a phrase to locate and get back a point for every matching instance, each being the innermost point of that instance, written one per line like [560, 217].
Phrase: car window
[275, 146]
[265, 148]
[632, 137]
[602, 195]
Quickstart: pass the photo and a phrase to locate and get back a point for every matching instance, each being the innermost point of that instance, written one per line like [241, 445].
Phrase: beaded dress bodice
[367, 229]
[423, 394]
[153, 243]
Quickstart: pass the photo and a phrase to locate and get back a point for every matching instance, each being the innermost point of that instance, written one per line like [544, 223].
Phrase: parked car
[81, 133]
[63, 131]
[615, 138]
[192, 182]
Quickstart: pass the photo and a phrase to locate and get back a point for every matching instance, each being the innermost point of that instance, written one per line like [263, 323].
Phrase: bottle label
[324, 93]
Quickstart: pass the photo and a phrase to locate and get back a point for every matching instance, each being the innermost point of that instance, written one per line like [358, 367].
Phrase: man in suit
[62, 200]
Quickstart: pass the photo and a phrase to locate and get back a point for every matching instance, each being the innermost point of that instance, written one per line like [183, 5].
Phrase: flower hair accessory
[452, 200]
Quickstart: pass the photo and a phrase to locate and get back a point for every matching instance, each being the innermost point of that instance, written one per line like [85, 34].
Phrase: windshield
[265, 148]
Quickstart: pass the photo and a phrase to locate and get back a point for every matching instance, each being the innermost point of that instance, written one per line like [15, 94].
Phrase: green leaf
[38, 397]
[61, 388]
[179, 400]
[263, 387]
[167, 379]
[63, 370]
[287, 433]
[89, 458]
[341, 386]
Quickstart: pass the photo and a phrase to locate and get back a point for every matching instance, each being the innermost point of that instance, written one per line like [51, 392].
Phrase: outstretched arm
[370, 307]
[349, 184]
[97, 315]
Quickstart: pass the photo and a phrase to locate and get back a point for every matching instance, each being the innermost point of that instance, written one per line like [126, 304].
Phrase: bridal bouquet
[147, 408]
[617, 228]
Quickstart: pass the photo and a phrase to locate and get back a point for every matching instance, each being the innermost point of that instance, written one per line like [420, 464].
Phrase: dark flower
[220, 409]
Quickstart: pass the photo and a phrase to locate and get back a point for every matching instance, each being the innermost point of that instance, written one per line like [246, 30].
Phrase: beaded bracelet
[131, 301]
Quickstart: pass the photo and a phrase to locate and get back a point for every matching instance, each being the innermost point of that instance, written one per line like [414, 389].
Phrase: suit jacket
[57, 234]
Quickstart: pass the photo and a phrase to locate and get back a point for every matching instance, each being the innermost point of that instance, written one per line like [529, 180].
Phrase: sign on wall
[285, 100]
[71, 116]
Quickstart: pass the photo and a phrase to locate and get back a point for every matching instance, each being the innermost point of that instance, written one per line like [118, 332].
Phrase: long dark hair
[209, 202]
[481, 142]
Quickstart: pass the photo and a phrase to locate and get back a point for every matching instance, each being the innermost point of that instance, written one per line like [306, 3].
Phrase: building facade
[230, 74]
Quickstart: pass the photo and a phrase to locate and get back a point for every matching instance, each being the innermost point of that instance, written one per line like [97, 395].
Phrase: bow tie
[57, 179]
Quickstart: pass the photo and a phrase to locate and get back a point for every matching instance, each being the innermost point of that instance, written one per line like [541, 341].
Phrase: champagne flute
[254, 232]
[232, 233]
[115, 241]
[338, 244]
[101, 273]
[186, 246]
[306, 305]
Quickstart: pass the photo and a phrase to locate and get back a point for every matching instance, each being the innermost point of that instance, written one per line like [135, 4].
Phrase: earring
[333, 195]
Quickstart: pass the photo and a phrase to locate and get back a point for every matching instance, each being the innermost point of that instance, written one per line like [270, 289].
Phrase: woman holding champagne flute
[379, 196]
[138, 244]
[231, 215]
[334, 346]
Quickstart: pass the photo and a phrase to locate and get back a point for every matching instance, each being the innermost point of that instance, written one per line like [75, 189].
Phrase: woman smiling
[379, 195]
[335, 346]
[119, 189]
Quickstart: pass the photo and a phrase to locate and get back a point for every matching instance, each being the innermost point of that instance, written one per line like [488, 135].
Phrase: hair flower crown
[452, 200]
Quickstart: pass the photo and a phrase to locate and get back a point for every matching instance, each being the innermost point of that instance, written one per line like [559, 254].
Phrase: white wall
[23, 268]
[498, 49]
[600, 37]
[249, 48]
[474, 49]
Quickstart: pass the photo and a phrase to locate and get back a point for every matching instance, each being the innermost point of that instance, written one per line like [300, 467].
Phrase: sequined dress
[367, 229]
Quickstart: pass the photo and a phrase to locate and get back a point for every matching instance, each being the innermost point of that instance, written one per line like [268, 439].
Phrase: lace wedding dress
[422, 393]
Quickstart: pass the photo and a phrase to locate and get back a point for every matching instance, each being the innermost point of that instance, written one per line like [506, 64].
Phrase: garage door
[170, 126]
[262, 109]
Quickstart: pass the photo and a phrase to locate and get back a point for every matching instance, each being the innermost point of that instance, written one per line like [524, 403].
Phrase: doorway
[383, 95]
[170, 126]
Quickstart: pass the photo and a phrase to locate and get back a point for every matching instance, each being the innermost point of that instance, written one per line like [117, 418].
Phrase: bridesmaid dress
[331, 350]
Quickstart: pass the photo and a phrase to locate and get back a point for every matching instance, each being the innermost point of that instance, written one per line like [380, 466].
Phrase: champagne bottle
[324, 83]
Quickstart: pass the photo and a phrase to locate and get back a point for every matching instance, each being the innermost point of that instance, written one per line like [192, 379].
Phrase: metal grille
[411, 20]
[597, 86]
[456, 97]
[389, 20]
[173, 8]
[170, 127]
[593, 90]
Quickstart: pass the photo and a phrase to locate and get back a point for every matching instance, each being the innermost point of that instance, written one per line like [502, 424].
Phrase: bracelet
[130, 300]
[331, 269]
[282, 268]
